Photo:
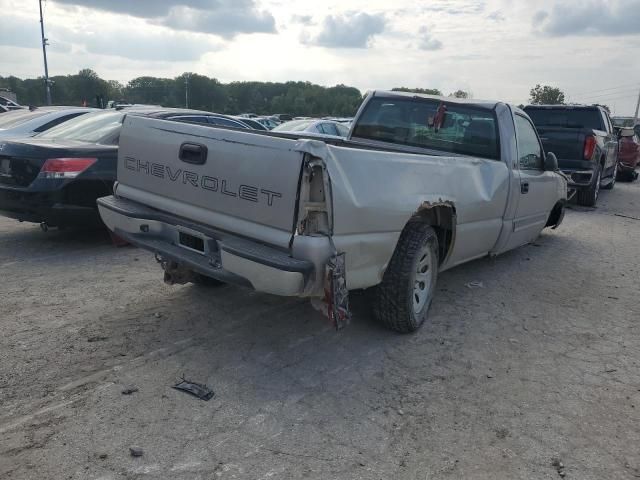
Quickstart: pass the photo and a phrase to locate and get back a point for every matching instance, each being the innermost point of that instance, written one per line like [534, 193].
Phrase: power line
[590, 97]
[607, 89]
[608, 100]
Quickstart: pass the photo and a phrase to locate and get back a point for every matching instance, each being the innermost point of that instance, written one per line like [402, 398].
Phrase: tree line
[201, 92]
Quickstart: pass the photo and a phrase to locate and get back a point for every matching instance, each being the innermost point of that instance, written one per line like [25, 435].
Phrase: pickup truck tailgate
[566, 143]
[227, 177]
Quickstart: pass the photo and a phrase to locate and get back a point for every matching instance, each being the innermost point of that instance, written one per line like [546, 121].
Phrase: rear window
[18, 117]
[91, 128]
[566, 118]
[465, 129]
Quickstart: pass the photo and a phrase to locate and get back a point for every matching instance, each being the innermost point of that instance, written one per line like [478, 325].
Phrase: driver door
[537, 196]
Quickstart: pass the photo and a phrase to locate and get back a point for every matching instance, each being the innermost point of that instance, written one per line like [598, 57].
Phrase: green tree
[546, 95]
[460, 94]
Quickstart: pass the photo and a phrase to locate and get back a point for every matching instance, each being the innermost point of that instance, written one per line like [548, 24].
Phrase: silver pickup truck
[420, 185]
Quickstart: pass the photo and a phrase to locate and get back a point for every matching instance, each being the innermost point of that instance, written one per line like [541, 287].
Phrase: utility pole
[635, 118]
[47, 83]
[186, 90]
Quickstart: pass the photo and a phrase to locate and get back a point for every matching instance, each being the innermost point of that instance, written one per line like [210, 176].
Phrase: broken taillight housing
[65, 167]
[589, 147]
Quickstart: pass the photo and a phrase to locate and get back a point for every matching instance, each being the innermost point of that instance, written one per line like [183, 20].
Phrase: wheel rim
[422, 279]
[597, 192]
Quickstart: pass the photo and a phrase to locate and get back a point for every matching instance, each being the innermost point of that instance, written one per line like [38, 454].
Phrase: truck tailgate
[223, 175]
[566, 143]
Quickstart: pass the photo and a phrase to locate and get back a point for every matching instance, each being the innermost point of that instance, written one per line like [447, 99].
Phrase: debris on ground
[626, 216]
[475, 284]
[157, 315]
[103, 456]
[559, 466]
[129, 390]
[136, 451]
[196, 389]
[97, 338]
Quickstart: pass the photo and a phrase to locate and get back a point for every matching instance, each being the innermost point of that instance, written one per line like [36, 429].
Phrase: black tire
[395, 302]
[588, 197]
[204, 281]
[613, 179]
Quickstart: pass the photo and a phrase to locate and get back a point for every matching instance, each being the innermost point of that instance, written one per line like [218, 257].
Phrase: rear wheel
[589, 197]
[403, 298]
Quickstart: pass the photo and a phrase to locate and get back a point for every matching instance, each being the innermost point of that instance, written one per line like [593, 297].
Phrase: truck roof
[565, 107]
[485, 104]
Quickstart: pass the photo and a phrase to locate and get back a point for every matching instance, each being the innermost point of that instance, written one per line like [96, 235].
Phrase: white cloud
[427, 41]
[350, 30]
[468, 46]
[590, 17]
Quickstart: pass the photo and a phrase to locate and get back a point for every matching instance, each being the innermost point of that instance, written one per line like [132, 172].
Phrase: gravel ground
[540, 362]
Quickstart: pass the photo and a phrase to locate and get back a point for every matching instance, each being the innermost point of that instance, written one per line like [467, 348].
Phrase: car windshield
[293, 126]
[464, 129]
[18, 117]
[566, 117]
[90, 128]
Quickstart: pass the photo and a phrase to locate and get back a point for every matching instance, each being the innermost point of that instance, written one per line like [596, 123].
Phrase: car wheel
[613, 179]
[402, 300]
[588, 197]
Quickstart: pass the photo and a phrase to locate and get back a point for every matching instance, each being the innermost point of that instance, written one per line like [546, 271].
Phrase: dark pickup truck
[585, 142]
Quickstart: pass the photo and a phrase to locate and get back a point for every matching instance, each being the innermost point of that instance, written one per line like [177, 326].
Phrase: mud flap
[336, 295]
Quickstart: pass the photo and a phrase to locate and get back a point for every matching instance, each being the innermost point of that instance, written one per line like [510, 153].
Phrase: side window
[57, 121]
[328, 128]
[191, 118]
[529, 151]
[342, 130]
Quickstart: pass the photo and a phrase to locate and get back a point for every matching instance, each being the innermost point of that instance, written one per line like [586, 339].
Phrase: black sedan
[55, 178]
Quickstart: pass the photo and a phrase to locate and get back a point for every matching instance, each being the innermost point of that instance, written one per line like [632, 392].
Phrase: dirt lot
[541, 362]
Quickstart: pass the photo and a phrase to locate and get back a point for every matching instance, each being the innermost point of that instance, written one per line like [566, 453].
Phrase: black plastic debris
[136, 451]
[196, 389]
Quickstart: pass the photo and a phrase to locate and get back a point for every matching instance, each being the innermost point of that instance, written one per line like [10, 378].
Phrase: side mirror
[551, 162]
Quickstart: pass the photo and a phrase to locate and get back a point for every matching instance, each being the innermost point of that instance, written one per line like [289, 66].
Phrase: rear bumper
[218, 254]
[579, 172]
[579, 178]
[47, 207]
[628, 164]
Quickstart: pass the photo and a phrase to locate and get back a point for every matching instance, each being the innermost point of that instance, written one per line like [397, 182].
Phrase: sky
[496, 49]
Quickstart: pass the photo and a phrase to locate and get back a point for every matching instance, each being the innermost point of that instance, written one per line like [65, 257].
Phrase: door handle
[524, 187]
[193, 153]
